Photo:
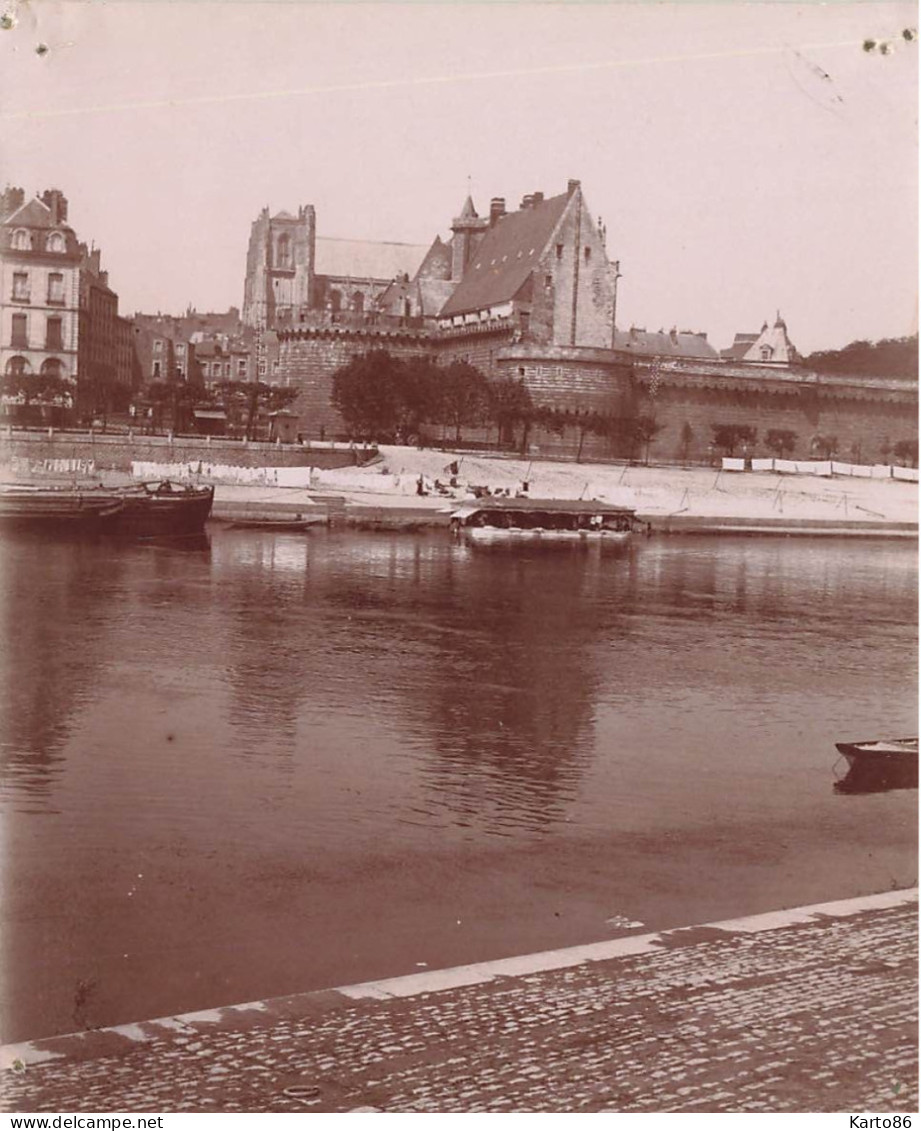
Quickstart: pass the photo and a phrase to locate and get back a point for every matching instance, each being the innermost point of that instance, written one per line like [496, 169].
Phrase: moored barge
[566, 521]
[141, 510]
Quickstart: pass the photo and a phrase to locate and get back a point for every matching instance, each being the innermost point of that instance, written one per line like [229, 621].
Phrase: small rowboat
[879, 765]
[295, 525]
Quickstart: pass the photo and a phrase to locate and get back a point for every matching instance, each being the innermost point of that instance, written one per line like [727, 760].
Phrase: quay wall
[685, 398]
[865, 428]
[117, 452]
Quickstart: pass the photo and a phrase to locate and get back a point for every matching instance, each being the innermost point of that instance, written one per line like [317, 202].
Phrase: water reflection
[513, 705]
[51, 655]
[363, 735]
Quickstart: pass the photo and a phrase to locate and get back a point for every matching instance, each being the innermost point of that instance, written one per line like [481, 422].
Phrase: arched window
[55, 242]
[358, 302]
[22, 241]
[18, 367]
[52, 367]
[283, 251]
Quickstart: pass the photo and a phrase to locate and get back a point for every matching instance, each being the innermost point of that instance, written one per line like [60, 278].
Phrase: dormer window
[766, 353]
[22, 241]
[55, 242]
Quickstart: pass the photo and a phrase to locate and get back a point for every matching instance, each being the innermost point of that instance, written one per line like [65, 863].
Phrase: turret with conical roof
[468, 230]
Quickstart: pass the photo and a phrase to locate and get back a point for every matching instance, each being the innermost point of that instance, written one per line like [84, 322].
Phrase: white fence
[825, 468]
[196, 470]
[55, 466]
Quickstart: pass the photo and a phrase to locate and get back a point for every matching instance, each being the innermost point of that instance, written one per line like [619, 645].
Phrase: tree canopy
[382, 397]
[891, 357]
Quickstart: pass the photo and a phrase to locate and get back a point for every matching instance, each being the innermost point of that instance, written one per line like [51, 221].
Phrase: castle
[531, 294]
[542, 270]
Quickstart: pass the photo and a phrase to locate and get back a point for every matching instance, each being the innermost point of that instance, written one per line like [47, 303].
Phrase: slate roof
[468, 212]
[437, 256]
[365, 259]
[740, 347]
[428, 296]
[33, 214]
[505, 258]
[433, 294]
[662, 344]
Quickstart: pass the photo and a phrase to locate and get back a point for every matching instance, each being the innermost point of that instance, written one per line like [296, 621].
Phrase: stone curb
[121, 1039]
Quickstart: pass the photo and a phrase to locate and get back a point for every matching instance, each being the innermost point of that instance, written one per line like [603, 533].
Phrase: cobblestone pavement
[813, 1016]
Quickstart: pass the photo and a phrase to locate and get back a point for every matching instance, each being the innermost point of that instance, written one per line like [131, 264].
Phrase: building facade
[58, 314]
[39, 287]
[98, 337]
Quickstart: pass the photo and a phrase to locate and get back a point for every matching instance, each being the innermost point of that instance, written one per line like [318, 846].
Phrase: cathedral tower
[280, 265]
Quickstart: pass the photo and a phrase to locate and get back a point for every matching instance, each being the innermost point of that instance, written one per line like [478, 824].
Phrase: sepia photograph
[458, 560]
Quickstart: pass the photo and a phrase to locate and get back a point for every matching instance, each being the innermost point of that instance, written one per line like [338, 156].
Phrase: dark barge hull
[155, 514]
[73, 510]
[877, 766]
[145, 511]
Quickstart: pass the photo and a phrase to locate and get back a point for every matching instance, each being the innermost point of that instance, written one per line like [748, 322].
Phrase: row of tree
[389, 399]
[730, 438]
[242, 402]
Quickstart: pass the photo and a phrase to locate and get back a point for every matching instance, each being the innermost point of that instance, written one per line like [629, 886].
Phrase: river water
[270, 763]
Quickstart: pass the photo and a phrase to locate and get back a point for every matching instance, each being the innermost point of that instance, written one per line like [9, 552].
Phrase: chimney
[11, 200]
[537, 198]
[57, 202]
[572, 186]
[526, 201]
[496, 209]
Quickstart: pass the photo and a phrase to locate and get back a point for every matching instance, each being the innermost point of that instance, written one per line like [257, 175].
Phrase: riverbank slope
[672, 499]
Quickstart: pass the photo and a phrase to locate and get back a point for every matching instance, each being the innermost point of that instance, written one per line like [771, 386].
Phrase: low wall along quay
[117, 452]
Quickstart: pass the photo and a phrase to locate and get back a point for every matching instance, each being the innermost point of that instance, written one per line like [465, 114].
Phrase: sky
[745, 158]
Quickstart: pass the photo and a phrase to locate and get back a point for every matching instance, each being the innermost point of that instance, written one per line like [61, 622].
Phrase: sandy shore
[671, 498]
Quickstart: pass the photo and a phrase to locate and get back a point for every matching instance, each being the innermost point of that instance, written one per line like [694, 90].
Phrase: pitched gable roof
[437, 261]
[35, 213]
[740, 347]
[506, 256]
